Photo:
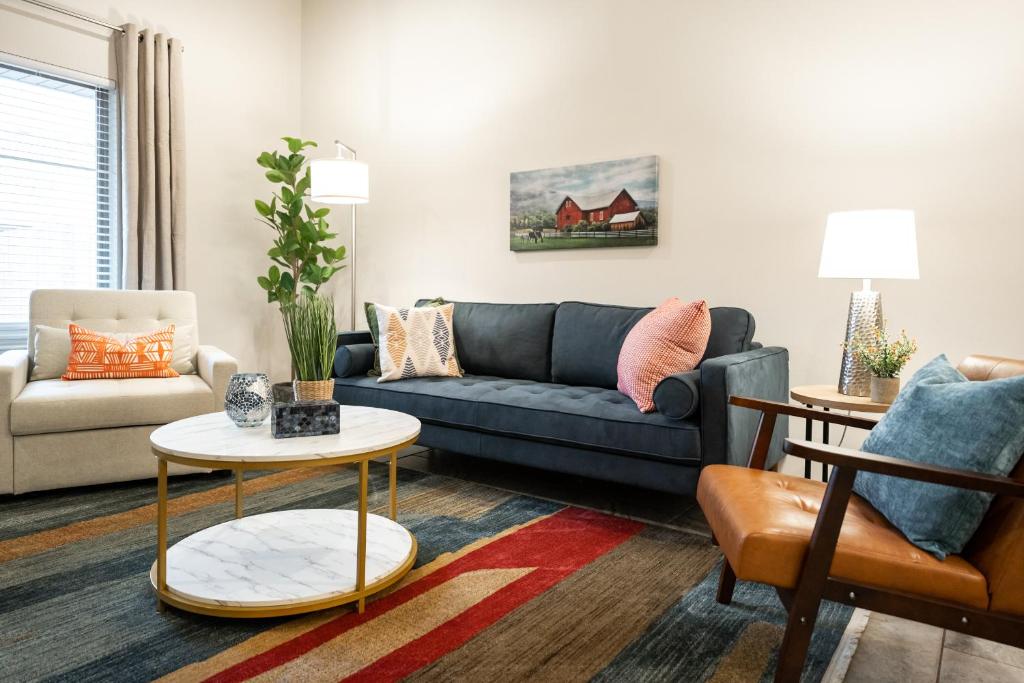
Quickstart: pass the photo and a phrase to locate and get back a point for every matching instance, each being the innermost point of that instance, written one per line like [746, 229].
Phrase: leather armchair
[814, 541]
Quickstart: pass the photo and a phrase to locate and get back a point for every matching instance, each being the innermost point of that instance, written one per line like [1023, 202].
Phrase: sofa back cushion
[588, 337]
[114, 311]
[505, 340]
[586, 342]
[732, 331]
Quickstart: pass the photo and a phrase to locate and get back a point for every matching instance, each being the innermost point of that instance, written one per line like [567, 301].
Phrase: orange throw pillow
[97, 356]
[670, 339]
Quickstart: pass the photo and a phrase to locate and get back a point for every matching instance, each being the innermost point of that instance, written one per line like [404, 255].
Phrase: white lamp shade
[870, 244]
[339, 181]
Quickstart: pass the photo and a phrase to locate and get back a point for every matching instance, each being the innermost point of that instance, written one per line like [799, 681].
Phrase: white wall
[766, 117]
[241, 68]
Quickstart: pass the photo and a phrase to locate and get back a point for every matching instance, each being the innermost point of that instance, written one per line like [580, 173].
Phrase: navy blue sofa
[539, 390]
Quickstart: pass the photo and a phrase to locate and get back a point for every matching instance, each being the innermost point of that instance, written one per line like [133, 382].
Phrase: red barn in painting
[593, 208]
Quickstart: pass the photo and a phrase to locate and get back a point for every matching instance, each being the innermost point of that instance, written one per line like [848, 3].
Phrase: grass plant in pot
[885, 360]
[312, 337]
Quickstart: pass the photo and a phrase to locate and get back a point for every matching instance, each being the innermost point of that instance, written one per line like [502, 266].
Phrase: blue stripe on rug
[693, 637]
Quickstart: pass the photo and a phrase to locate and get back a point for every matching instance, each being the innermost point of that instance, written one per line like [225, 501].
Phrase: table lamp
[339, 180]
[866, 245]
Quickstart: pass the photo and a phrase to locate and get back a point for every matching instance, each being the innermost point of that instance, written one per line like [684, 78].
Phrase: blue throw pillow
[942, 418]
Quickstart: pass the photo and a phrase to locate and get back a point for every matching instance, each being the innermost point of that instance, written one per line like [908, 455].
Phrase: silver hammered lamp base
[865, 315]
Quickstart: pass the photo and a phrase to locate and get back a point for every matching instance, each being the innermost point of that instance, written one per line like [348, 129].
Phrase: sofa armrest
[678, 396]
[354, 337]
[216, 367]
[353, 359]
[13, 378]
[727, 431]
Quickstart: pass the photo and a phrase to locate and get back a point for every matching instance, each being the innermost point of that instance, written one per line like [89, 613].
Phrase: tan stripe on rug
[748, 658]
[32, 544]
[365, 644]
[577, 627]
[293, 628]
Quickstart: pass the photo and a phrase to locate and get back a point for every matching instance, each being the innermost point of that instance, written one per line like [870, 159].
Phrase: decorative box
[305, 418]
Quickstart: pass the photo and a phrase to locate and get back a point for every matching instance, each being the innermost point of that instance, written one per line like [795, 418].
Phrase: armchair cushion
[942, 418]
[52, 405]
[763, 522]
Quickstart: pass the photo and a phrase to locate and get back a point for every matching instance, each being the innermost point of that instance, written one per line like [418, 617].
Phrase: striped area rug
[505, 587]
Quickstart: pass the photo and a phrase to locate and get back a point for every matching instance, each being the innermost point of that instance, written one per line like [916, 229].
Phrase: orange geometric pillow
[97, 356]
[670, 339]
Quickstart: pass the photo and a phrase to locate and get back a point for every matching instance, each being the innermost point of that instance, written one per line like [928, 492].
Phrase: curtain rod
[72, 13]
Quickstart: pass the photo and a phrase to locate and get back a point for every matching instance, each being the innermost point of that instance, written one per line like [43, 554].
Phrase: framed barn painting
[605, 204]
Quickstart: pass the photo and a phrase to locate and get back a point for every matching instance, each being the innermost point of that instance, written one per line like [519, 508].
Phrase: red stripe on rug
[557, 546]
[456, 632]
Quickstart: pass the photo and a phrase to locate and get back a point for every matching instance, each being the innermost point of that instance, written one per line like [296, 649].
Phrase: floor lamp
[341, 180]
[866, 245]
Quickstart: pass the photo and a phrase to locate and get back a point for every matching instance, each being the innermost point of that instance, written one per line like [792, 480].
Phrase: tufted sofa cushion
[588, 417]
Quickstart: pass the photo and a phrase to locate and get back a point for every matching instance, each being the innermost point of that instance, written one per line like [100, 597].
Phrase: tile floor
[891, 650]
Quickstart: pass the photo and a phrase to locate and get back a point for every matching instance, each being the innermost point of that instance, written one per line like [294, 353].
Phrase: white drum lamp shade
[870, 245]
[339, 181]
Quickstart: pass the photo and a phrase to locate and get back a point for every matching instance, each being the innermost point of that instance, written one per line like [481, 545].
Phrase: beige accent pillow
[416, 342]
[53, 346]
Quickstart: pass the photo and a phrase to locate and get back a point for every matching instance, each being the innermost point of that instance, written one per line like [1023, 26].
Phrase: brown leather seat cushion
[763, 523]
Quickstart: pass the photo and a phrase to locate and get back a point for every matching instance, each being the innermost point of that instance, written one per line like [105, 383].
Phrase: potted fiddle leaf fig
[302, 260]
[885, 359]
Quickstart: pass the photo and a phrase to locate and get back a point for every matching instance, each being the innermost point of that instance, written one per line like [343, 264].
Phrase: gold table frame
[158, 572]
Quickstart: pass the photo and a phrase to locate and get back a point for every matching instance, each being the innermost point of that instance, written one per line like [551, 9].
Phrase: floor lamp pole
[352, 285]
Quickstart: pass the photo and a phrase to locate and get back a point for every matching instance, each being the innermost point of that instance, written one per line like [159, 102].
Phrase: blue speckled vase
[248, 399]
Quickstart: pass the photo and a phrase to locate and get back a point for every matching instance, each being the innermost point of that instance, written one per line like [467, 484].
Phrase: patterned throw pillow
[371, 322]
[98, 356]
[416, 342]
[670, 339]
[942, 418]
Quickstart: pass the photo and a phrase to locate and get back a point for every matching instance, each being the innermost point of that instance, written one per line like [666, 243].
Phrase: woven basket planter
[313, 390]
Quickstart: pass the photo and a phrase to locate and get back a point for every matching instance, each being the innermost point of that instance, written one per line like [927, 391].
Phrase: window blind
[58, 205]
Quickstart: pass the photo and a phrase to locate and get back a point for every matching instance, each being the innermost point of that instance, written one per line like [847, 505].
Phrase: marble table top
[215, 437]
[285, 557]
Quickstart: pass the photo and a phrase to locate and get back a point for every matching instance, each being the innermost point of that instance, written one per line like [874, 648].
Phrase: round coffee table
[285, 562]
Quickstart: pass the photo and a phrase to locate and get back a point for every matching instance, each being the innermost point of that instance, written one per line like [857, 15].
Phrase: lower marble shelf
[284, 558]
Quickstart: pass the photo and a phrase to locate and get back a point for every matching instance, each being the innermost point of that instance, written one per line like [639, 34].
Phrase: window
[58, 205]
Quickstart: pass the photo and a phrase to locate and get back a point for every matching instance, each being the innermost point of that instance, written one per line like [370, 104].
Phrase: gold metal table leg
[238, 493]
[393, 476]
[364, 475]
[161, 531]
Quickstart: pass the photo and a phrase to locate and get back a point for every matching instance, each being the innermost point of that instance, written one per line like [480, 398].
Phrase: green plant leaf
[263, 208]
[264, 282]
[308, 143]
[294, 144]
[320, 213]
[275, 176]
[266, 159]
[302, 186]
[274, 274]
[287, 195]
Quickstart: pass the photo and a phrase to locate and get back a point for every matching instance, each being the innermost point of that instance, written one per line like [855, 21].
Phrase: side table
[827, 397]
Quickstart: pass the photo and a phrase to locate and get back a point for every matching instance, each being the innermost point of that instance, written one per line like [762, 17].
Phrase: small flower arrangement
[882, 357]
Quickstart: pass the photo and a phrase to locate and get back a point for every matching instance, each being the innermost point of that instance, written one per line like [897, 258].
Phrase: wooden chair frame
[815, 584]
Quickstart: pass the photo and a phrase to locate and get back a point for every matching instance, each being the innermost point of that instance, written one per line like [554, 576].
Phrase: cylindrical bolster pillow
[678, 396]
[352, 360]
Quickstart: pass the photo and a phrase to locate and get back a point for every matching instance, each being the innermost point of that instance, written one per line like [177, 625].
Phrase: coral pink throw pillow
[670, 339]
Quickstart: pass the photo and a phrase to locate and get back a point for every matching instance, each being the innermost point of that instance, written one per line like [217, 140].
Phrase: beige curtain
[153, 160]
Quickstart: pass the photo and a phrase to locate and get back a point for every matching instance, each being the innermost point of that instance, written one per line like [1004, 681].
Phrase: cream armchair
[55, 434]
